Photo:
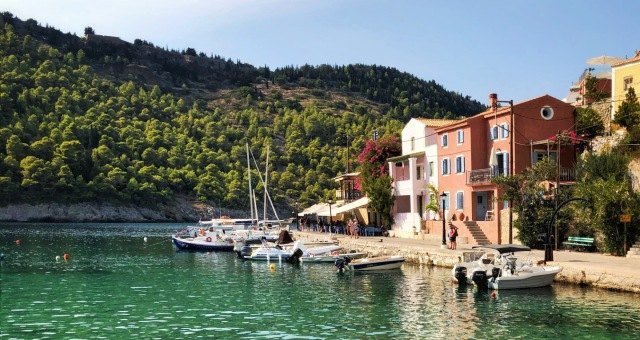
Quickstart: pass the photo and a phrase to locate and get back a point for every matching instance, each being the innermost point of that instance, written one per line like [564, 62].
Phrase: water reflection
[117, 285]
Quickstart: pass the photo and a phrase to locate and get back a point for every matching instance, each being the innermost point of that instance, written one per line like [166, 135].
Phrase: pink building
[499, 141]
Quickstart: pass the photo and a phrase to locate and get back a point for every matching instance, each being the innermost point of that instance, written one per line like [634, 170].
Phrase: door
[481, 205]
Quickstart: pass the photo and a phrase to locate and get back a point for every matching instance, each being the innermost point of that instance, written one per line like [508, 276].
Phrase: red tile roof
[628, 61]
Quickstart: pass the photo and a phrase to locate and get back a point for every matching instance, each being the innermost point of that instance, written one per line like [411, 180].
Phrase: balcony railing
[484, 176]
[567, 174]
[348, 195]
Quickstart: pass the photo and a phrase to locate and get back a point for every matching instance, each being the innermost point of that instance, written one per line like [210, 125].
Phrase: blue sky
[518, 49]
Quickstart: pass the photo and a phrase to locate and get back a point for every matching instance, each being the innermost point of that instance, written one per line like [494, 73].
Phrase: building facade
[624, 75]
[413, 172]
[469, 153]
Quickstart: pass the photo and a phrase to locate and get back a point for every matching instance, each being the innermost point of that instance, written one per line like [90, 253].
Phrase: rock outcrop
[179, 211]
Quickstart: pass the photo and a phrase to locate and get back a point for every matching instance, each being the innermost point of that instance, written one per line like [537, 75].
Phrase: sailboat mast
[251, 198]
[266, 181]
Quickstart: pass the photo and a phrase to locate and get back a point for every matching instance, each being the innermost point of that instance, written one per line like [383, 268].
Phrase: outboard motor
[341, 263]
[480, 278]
[461, 275]
[244, 251]
[495, 273]
[295, 257]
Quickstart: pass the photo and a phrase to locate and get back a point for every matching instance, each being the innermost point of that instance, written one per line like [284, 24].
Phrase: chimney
[493, 100]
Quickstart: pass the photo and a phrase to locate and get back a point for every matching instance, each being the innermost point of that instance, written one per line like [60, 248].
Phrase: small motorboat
[200, 239]
[331, 257]
[270, 252]
[498, 268]
[370, 263]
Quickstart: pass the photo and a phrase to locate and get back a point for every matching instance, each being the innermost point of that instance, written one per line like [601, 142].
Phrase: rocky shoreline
[178, 211]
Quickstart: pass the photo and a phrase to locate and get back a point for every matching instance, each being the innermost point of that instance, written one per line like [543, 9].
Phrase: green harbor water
[117, 286]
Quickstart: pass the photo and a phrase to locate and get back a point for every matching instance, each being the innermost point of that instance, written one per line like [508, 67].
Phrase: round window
[546, 112]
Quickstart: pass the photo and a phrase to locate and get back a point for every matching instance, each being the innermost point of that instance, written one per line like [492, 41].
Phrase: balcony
[349, 195]
[484, 176]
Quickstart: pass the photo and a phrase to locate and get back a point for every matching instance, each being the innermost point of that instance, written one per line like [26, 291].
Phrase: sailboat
[222, 233]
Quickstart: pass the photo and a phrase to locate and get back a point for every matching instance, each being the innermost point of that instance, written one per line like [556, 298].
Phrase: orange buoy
[493, 294]
[66, 256]
[18, 242]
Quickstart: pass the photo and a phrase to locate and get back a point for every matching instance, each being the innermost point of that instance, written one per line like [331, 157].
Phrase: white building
[413, 171]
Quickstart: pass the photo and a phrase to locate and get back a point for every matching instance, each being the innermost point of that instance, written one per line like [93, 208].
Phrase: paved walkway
[585, 268]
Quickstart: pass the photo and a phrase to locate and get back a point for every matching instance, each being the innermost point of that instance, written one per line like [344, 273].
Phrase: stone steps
[634, 251]
[477, 236]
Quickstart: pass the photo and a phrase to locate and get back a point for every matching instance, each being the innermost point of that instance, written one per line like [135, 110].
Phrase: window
[431, 173]
[419, 172]
[459, 164]
[537, 156]
[445, 140]
[413, 143]
[445, 166]
[627, 82]
[460, 136]
[546, 112]
[493, 133]
[504, 130]
[459, 200]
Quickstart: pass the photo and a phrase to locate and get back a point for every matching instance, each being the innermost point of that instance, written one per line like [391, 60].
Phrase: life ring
[208, 238]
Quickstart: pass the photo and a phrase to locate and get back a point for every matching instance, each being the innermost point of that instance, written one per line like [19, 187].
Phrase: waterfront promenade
[584, 268]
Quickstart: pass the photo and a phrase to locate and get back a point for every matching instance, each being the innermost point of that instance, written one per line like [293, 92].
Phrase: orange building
[500, 141]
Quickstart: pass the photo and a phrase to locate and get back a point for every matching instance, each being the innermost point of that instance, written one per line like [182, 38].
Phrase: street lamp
[330, 216]
[444, 232]
[297, 218]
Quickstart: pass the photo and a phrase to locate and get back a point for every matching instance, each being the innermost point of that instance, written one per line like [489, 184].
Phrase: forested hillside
[100, 119]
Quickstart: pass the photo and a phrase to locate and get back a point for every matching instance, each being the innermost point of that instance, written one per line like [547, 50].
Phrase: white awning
[351, 206]
[313, 209]
[325, 211]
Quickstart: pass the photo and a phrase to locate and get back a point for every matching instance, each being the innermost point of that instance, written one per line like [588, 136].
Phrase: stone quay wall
[580, 268]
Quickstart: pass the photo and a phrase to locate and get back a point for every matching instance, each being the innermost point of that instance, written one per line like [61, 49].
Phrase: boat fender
[208, 238]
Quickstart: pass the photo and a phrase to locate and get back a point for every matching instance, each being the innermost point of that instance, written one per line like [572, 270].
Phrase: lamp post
[330, 216]
[444, 232]
[548, 250]
[297, 218]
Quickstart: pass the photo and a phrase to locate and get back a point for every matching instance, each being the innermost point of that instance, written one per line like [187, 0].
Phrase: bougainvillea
[374, 180]
[375, 154]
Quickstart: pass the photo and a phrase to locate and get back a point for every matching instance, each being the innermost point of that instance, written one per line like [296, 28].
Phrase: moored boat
[499, 268]
[370, 263]
[200, 239]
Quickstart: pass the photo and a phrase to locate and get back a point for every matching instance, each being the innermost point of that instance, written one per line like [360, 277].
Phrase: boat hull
[197, 245]
[536, 279]
[380, 263]
[330, 258]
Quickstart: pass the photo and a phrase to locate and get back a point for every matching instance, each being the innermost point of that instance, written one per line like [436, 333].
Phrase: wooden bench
[579, 242]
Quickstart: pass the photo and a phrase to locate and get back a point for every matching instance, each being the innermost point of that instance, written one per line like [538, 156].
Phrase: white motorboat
[331, 257]
[201, 239]
[499, 268]
[269, 252]
[370, 263]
